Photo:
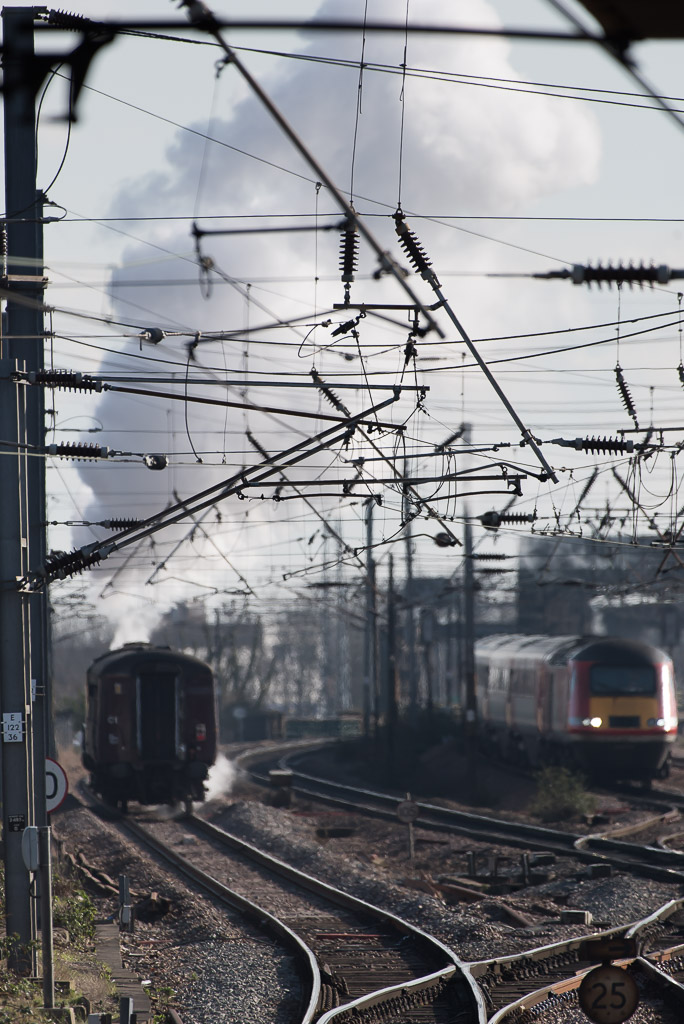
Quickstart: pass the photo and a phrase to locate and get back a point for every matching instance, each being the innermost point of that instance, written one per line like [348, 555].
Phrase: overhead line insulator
[493, 520]
[619, 275]
[69, 21]
[597, 445]
[69, 563]
[328, 393]
[349, 256]
[79, 451]
[626, 395]
[67, 380]
[414, 250]
[450, 439]
[119, 524]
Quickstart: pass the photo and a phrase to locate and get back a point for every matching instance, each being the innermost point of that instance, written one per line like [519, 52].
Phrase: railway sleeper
[404, 1003]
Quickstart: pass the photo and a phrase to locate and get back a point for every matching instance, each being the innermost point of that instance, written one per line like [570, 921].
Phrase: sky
[507, 159]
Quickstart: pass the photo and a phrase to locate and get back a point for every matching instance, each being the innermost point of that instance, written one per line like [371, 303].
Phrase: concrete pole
[469, 660]
[468, 657]
[370, 621]
[391, 717]
[24, 651]
[17, 806]
[410, 611]
[45, 877]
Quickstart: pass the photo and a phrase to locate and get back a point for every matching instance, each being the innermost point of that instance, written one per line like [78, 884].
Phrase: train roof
[600, 648]
[522, 645]
[559, 649]
[131, 653]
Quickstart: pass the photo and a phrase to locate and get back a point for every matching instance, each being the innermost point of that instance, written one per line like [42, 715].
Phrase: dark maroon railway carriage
[150, 731]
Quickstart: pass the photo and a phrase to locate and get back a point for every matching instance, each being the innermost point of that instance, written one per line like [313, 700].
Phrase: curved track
[353, 957]
[542, 984]
[646, 860]
[541, 980]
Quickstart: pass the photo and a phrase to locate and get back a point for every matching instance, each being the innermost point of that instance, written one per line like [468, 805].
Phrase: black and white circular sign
[608, 995]
[56, 784]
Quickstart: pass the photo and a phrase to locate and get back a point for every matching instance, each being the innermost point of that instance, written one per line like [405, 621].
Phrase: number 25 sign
[608, 995]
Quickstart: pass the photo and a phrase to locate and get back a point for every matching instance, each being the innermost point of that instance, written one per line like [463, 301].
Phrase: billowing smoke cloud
[465, 148]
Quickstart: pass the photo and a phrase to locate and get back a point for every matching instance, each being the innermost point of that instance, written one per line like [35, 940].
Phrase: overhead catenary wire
[336, 382]
[77, 560]
[212, 27]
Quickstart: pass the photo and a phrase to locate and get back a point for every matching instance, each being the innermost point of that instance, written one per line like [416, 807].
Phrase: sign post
[407, 812]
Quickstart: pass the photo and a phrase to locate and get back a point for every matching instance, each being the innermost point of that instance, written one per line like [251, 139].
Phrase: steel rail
[669, 986]
[570, 984]
[265, 920]
[303, 954]
[666, 842]
[386, 995]
[354, 903]
[659, 915]
[648, 963]
[482, 969]
[665, 865]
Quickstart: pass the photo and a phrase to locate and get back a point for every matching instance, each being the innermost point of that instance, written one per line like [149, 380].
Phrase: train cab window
[614, 680]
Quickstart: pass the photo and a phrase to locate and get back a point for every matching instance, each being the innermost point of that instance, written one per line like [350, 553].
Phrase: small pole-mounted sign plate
[12, 727]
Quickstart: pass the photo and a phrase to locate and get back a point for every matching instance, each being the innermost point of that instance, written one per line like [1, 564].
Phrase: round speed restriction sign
[407, 811]
[56, 784]
[608, 995]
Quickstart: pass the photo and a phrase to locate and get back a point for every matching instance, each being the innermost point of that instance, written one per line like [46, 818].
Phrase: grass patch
[21, 999]
[162, 1000]
[561, 795]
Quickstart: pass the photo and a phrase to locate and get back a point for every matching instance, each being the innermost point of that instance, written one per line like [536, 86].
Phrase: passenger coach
[603, 705]
[150, 732]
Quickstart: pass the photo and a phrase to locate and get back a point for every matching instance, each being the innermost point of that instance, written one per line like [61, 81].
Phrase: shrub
[74, 910]
[561, 795]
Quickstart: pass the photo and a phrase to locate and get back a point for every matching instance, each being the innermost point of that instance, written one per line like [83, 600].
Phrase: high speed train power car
[150, 732]
[602, 705]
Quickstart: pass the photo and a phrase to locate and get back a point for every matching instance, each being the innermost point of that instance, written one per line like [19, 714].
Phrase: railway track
[543, 982]
[353, 958]
[651, 861]
[374, 966]
[360, 963]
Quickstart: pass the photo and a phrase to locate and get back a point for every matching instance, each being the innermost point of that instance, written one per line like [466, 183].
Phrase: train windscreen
[616, 680]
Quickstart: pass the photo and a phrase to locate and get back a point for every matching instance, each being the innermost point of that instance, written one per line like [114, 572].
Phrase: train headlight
[660, 722]
[595, 723]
